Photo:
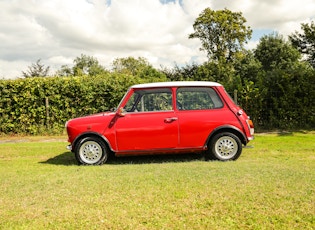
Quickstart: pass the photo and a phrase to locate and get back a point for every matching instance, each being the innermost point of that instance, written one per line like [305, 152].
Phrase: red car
[167, 117]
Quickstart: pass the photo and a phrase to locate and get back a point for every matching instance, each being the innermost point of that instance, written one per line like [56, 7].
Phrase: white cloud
[58, 31]
[12, 69]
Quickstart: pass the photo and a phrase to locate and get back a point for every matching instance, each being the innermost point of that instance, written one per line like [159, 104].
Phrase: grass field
[271, 186]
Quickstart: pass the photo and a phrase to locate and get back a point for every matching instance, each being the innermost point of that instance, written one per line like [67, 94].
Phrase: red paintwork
[160, 131]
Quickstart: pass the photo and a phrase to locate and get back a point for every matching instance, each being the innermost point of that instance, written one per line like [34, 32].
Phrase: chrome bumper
[69, 147]
[251, 138]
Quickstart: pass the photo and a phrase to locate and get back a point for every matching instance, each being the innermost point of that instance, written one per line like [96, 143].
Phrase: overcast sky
[58, 31]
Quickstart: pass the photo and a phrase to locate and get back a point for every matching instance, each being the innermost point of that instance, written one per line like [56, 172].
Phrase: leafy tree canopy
[139, 67]
[247, 66]
[130, 65]
[36, 70]
[222, 33]
[275, 53]
[83, 65]
[87, 65]
[305, 41]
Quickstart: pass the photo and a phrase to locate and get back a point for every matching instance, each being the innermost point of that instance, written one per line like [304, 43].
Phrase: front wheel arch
[93, 135]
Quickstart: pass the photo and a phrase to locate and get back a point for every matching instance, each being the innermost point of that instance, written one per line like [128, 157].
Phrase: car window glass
[150, 100]
[197, 98]
[131, 104]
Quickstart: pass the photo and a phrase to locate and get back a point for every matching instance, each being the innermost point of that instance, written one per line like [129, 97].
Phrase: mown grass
[271, 186]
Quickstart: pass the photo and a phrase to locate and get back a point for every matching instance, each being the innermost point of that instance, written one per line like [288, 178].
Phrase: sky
[58, 31]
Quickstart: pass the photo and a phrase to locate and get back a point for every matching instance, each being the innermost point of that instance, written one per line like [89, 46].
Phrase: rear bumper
[69, 147]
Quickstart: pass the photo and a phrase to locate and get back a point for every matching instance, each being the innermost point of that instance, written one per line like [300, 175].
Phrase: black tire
[91, 151]
[225, 147]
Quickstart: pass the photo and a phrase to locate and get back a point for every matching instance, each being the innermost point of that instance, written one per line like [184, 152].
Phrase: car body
[165, 117]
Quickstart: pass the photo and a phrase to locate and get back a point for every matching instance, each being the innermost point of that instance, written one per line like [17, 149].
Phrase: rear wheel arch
[227, 129]
[225, 144]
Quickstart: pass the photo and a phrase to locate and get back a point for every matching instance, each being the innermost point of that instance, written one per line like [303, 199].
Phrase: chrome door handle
[170, 119]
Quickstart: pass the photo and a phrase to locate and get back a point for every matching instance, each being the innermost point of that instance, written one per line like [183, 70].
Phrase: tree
[87, 65]
[286, 86]
[247, 66]
[64, 71]
[222, 33]
[305, 41]
[36, 70]
[130, 65]
[139, 67]
[182, 73]
[83, 65]
[275, 53]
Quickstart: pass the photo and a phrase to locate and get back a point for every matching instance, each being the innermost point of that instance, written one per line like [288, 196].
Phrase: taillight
[250, 126]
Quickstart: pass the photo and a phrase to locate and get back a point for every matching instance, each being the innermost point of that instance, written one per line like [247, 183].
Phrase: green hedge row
[43, 105]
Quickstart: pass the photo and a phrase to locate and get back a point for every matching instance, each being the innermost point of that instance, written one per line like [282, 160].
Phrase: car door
[199, 110]
[149, 122]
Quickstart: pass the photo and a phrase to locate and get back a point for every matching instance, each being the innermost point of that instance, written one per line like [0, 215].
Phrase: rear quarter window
[197, 98]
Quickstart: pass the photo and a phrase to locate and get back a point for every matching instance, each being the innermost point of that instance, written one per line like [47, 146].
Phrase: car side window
[197, 98]
[150, 100]
[131, 103]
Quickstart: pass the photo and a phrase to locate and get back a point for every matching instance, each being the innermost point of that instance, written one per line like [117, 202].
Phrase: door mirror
[121, 112]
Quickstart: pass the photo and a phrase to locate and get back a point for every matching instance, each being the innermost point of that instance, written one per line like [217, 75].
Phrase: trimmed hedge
[43, 105]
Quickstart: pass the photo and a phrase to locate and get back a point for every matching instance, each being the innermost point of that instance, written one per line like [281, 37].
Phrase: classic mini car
[165, 117]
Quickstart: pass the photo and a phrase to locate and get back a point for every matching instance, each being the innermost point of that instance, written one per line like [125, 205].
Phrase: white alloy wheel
[90, 152]
[226, 147]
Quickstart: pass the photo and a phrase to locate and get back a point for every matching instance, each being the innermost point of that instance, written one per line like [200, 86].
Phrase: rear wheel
[91, 151]
[225, 147]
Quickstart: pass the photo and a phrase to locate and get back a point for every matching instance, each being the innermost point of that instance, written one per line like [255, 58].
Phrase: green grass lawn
[271, 186]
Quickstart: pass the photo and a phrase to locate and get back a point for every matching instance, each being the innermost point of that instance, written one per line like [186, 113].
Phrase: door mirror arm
[121, 112]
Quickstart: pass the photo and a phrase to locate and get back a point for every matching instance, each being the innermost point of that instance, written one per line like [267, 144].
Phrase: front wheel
[225, 147]
[91, 151]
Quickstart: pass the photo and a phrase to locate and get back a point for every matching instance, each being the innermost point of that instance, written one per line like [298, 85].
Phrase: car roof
[176, 84]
